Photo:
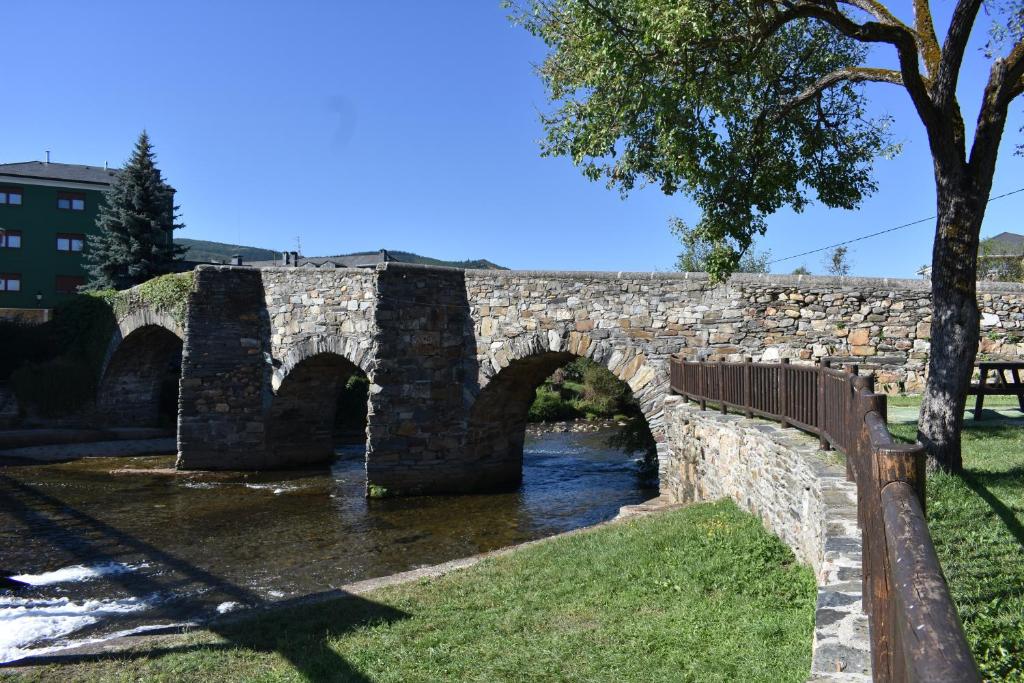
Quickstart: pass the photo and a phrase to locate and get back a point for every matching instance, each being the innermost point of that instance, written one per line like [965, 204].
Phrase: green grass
[914, 400]
[698, 594]
[977, 523]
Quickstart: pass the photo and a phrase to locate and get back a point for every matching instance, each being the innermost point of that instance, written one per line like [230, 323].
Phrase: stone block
[859, 336]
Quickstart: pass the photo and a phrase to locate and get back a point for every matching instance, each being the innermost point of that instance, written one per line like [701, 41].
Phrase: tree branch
[900, 37]
[927, 41]
[855, 74]
[876, 9]
[960, 27]
[1014, 72]
[1004, 83]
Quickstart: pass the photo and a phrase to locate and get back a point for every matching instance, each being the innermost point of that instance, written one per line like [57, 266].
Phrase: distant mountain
[202, 250]
[409, 257]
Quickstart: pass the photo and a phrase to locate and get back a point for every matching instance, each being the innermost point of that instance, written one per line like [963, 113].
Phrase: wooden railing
[916, 634]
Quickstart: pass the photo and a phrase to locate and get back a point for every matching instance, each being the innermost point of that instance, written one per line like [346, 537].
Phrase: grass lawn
[698, 594]
[908, 400]
[977, 522]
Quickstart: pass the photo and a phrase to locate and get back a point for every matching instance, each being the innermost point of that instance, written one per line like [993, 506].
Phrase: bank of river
[108, 553]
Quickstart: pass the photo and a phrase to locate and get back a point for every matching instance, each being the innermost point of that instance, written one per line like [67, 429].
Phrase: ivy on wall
[164, 294]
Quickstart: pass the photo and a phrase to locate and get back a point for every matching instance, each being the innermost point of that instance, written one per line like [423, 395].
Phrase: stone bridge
[454, 357]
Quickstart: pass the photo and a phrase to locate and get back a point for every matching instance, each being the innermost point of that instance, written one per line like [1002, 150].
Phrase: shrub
[22, 344]
[350, 414]
[83, 325]
[550, 407]
[604, 393]
[54, 387]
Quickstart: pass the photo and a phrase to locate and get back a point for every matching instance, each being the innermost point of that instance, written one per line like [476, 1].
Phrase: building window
[74, 201]
[69, 284]
[70, 242]
[10, 239]
[10, 195]
[10, 282]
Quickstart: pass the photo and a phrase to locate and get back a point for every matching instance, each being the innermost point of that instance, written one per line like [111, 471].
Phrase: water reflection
[186, 547]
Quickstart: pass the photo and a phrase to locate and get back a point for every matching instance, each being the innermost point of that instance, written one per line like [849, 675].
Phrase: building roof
[42, 170]
[1006, 243]
[367, 260]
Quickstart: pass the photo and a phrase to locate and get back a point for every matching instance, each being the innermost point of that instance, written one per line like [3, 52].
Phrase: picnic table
[1006, 375]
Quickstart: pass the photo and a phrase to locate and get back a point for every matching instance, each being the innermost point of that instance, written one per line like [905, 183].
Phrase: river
[108, 553]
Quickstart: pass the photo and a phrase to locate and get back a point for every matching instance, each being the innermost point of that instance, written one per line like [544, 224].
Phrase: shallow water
[107, 553]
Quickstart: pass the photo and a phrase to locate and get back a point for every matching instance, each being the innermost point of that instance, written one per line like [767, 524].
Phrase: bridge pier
[424, 372]
[225, 376]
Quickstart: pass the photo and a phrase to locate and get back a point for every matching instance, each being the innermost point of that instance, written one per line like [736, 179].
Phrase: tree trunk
[955, 322]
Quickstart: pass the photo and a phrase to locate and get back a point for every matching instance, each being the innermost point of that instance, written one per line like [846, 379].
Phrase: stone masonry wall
[313, 310]
[884, 324]
[800, 493]
[628, 322]
[431, 340]
[144, 348]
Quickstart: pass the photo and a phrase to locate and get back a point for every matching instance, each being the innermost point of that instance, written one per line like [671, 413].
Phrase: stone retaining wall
[800, 493]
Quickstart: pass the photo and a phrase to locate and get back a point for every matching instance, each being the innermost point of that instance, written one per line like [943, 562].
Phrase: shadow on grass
[992, 415]
[300, 634]
[981, 483]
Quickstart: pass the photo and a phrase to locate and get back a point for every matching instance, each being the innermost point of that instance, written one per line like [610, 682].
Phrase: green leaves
[725, 256]
[708, 99]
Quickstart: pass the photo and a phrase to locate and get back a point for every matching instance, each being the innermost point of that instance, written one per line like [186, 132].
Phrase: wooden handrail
[910, 611]
[920, 595]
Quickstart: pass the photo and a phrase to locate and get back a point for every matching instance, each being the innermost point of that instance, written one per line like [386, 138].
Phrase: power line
[881, 232]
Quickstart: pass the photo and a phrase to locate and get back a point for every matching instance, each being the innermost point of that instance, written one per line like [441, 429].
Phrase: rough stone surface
[225, 372]
[453, 356]
[146, 345]
[801, 496]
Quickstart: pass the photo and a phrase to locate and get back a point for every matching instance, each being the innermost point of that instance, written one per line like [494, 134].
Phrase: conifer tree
[136, 225]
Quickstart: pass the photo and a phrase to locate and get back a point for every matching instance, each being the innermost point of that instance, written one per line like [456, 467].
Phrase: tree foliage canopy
[136, 226]
[698, 252]
[748, 105]
[719, 100]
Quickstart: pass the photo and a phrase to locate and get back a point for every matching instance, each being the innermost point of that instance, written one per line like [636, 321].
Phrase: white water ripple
[25, 621]
[78, 572]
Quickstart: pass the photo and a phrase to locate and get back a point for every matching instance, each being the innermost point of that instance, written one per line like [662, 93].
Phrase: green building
[47, 211]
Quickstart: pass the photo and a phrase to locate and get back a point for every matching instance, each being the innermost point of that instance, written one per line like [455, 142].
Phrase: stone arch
[301, 417]
[351, 349]
[510, 374]
[141, 371]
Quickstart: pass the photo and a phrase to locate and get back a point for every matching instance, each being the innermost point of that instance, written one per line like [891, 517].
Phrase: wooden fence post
[883, 466]
[823, 442]
[748, 400]
[702, 384]
[721, 387]
[783, 392]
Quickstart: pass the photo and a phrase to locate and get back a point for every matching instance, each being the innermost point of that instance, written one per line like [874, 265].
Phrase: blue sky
[405, 125]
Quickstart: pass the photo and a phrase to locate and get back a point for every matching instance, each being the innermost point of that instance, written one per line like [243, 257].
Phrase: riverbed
[107, 552]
